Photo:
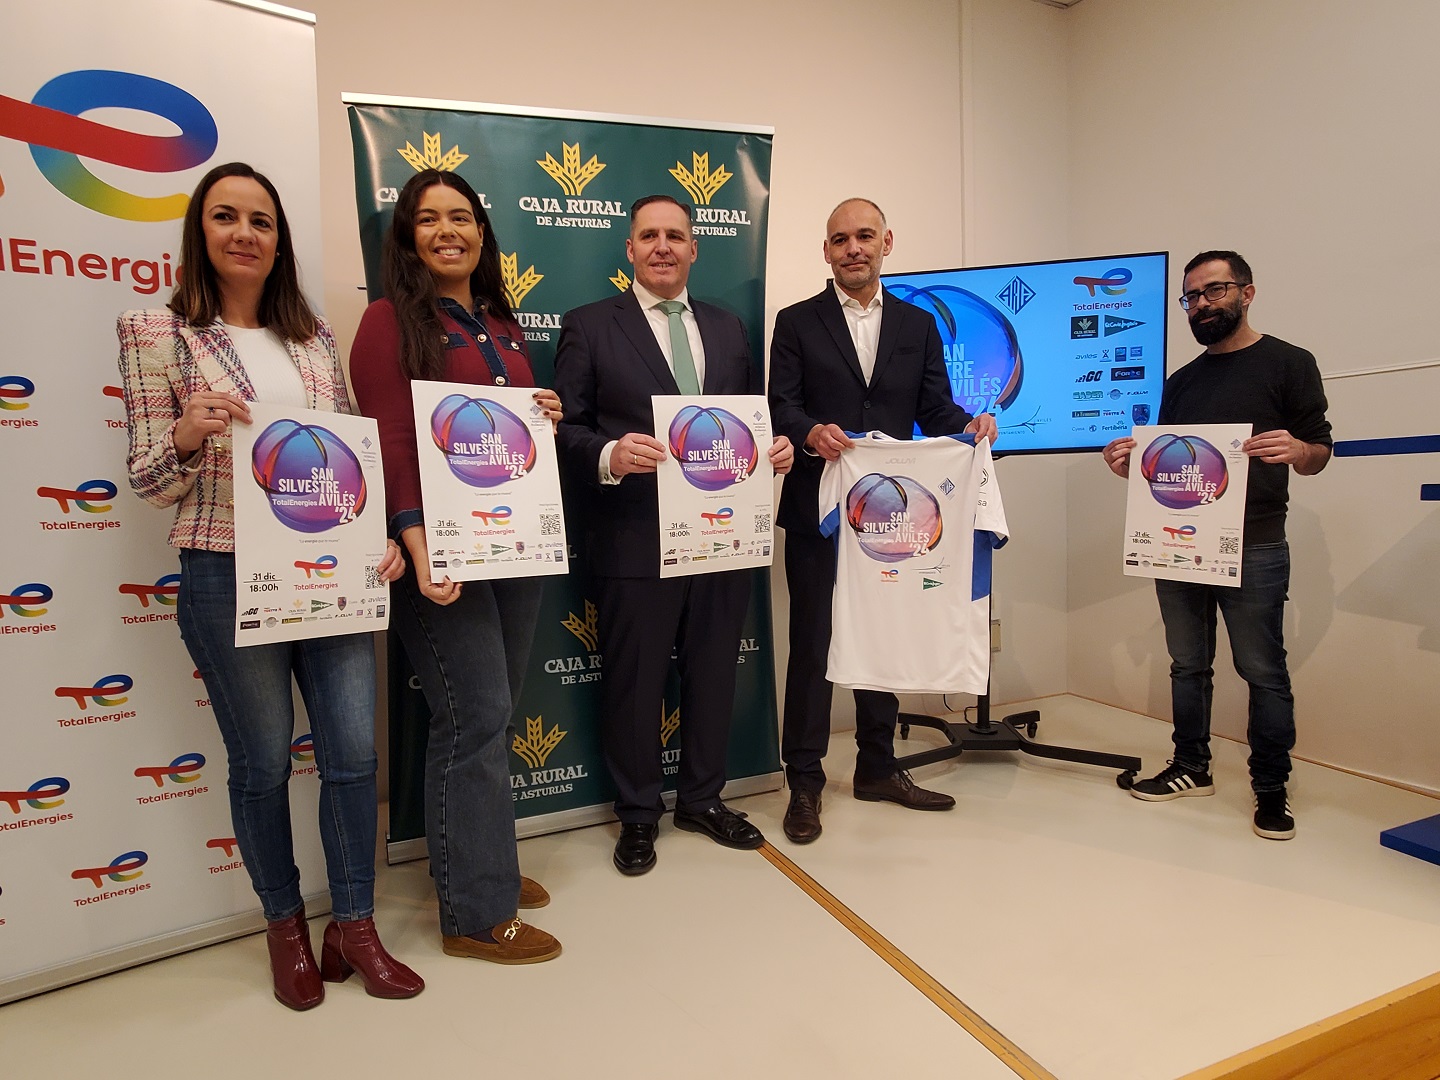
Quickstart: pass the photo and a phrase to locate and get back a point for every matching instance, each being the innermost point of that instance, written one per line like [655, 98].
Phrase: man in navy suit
[613, 356]
[853, 358]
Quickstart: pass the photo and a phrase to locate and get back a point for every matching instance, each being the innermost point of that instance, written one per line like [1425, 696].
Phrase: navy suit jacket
[815, 378]
[607, 367]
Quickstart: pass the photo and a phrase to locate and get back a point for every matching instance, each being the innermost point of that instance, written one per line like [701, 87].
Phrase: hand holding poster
[717, 490]
[309, 526]
[490, 482]
[1185, 511]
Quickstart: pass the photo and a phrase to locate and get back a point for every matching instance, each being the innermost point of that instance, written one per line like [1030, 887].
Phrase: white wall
[1286, 130]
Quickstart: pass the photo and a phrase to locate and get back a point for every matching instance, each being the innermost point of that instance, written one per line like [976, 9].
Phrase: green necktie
[680, 348]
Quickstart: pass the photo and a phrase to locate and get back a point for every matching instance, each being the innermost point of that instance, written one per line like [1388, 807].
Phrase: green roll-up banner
[558, 188]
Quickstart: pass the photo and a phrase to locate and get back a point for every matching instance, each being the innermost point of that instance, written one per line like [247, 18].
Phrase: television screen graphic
[1067, 355]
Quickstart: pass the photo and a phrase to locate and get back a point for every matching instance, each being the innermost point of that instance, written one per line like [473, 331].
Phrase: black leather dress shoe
[721, 824]
[635, 850]
[899, 788]
[802, 818]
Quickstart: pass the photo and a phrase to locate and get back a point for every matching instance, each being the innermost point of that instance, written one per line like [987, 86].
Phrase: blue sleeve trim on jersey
[985, 543]
[965, 438]
[831, 525]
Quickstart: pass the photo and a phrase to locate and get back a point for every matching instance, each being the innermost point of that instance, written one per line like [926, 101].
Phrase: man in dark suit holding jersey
[613, 356]
[853, 358]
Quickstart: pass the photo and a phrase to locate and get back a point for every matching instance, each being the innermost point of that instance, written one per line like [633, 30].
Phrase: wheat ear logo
[669, 724]
[586, 629]
[621, 280]
[538, 743]
[517, 285]
[432, 158]
[698, 180]
[568, 172]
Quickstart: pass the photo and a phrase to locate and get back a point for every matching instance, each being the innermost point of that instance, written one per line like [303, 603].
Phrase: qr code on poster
[549, 524]
[762, 522]
[373, 580]
[1229, 545]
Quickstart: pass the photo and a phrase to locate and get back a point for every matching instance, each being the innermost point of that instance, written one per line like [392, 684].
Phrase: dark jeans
[805, 731]
[470, 657]
[250, 695]
[1254, 616]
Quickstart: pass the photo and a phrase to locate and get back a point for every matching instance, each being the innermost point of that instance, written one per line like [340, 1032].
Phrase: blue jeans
[1254, 616]
[470, 658]
[250, 695]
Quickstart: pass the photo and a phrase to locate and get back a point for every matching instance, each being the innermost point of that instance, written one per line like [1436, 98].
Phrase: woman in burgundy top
[445, 318]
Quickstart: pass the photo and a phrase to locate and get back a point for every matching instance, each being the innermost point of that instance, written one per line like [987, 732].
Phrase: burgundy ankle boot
[297, 979]
[355, 947]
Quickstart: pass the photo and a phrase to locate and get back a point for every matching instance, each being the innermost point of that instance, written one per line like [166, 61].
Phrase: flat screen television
[1067, 355]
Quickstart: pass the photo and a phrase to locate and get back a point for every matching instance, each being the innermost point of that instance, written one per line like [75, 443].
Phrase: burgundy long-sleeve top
[382, 389]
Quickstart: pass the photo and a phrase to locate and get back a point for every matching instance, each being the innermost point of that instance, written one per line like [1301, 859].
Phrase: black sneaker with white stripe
[1273, 819]
[1175, 781]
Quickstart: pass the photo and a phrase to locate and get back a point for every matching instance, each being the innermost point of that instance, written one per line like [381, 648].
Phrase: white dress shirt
[864, 324]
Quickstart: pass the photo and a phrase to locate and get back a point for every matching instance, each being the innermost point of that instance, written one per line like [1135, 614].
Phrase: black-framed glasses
[1212, 293]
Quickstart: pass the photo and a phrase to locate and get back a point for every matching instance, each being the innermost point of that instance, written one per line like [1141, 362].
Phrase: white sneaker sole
[1273, 834]
[1195, 792]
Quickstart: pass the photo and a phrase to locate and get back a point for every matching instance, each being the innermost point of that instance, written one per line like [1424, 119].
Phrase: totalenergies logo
[124, 867]
[27, 600]
[1111, 284]
[109, 691]
[303, 748]
[322, 567]
[166, 591]
[52, 124]
[499, 515]
[722, 516]
[14, 389]
[1184, 532]
[185, 769]
[41, 795]
[93, 496]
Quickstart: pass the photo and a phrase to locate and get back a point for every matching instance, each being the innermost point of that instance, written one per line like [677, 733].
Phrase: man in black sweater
[1252, 378]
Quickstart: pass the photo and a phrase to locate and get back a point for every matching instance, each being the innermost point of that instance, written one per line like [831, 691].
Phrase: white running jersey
[915, 523]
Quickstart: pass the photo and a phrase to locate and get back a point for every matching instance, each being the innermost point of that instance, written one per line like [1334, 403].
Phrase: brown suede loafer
[532, 894]
[515, 943]
[899, 788]
[802, 817]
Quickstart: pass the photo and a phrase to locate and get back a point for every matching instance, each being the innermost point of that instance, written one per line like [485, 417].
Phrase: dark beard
[1216, 329]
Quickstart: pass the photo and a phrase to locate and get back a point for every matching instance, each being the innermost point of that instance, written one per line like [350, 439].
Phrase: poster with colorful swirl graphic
[1185, 509]
[309, 526]
[490, 481]
[717, 489]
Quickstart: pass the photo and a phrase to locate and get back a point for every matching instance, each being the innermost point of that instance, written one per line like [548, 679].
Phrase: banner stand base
[399, 851]
[142, 952]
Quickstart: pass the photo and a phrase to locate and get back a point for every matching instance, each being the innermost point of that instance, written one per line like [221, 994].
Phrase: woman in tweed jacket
[239, 329]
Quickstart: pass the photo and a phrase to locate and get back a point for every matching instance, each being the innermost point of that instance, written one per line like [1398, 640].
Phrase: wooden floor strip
[1019, 1062]
[1392, 1037]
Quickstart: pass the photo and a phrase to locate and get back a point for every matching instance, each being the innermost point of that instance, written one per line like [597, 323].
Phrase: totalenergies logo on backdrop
[52, 123]
[43, 794]
[165, 591]
[122, 868]
[185, 769]
[93, 496]
[109, 691]
[27, 601]
[14, 389]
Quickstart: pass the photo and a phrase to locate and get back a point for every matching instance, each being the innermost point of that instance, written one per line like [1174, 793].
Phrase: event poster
[309, 526]
[490, 482]
[1185, 514]
[717, 490]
